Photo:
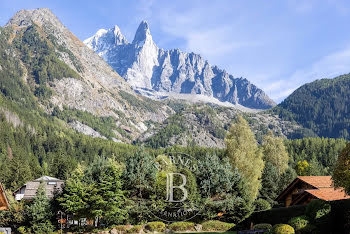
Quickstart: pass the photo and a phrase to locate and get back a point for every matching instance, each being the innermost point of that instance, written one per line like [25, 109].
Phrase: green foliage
[321, 106]
[40, 57]
[299, 223]
[261, 205]
[139, 103]
[262, 226]
[303, 168]
[103, 125]
[282, 229]
[216, 226]
[40, 212]
[270, 183]
[182, 226]
[317, 210]
[341, 174]
[155, 226]
[135, 229]
[320, 153]
[174, 125]
[243, 152]
[275, 152]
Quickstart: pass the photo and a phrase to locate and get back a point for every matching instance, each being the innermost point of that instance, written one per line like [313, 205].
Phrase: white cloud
[329, 66]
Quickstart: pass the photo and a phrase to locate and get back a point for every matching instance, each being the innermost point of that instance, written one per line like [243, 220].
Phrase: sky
[277, 45]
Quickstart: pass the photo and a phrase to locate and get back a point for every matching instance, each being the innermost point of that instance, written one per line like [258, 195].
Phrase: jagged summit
[142, 33]
[39, 16]
[156, 72]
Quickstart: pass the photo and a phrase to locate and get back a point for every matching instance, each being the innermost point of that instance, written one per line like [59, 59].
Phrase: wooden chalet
[305, 188]
[28, 190]
[4, 204]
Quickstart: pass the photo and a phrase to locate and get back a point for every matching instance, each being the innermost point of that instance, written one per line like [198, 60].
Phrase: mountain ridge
[146, 67]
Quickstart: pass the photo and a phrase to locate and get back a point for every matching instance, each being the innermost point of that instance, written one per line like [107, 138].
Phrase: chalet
[4, 204]
[305, 188]
[28, 191]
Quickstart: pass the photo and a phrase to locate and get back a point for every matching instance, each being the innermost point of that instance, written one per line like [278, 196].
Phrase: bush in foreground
[262, 226]
[317, 209]
[155, 226]
[261, 205]
[182, 226]
[299, 223]
[216, 225]
[135, 229]
[282, 229]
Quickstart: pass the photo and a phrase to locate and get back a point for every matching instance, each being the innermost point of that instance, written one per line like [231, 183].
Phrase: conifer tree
[39, 212]
[244, 154]
[341, 174]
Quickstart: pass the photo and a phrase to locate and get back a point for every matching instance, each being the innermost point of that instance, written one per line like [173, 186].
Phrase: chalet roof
[47, 178]
[329, 194]
[320, 187]
[318, 181]
[51, 185]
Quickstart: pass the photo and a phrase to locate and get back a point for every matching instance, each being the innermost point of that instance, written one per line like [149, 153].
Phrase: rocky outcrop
[98, 90]
[156, 72]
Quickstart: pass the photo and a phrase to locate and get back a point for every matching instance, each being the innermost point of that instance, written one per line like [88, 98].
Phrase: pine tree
[244, 154]
[341, 173]
[39, 212]
[76, 195]
[107, 200]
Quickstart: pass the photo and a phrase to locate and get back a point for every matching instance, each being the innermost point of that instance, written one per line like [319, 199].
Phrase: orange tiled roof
[318, 181]
[329, 194]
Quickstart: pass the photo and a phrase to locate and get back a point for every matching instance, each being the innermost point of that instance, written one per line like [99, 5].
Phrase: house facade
[28, 190]
[305, 188]
[4, 204]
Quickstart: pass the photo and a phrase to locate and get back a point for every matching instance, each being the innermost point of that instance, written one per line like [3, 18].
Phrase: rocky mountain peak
[155, 72]
[39, 16]
[142, 34]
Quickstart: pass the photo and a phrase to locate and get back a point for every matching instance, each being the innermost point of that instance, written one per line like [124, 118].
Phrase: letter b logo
[170, 187]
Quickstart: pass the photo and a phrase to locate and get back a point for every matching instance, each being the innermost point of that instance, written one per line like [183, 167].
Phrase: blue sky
[277, 45]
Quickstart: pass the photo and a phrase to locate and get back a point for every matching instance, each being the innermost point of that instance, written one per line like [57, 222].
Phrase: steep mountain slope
[156, 72]
[73, 83]
[322, 106]
[206, 125]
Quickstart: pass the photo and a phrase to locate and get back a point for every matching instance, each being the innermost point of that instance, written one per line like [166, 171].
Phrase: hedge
[155, 226]
[262, 226]
[182, 226]
[282, 229]
[216, 225]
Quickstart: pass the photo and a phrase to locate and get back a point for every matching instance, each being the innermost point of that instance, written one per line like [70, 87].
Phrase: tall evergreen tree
[244, 154]
[341, 174]
[39, 212]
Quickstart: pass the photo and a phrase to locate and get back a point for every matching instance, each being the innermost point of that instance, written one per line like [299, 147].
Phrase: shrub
[317, 209]
[135, 229]
[261, 205]
[282, 229]
[182, 226]
[155, 226]
[298, 223]
[216, 225]
[262, 226]
[121, 228]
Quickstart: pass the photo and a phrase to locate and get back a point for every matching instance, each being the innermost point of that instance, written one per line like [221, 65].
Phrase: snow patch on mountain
[154, 72]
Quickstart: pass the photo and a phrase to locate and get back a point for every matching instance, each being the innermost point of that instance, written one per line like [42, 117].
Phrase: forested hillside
[322, 106]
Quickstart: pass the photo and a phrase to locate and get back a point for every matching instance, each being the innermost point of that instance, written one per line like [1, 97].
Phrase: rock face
[156, 72]
[100, 90]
